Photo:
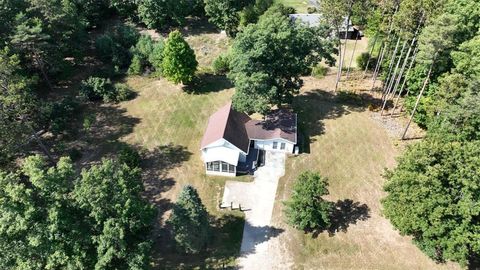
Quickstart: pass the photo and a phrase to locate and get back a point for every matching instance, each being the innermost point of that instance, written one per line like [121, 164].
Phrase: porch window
[231, 168]
[209, 166]
[282, 146]
[224, 167]
[275, 144]
[216, 166]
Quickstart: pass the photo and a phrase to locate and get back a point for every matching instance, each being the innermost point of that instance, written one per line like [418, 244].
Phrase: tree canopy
[269, 57]
[50, 218]
[306, 209]
[179, 63]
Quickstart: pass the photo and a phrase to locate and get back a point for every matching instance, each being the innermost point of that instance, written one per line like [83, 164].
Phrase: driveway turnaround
[256, 199]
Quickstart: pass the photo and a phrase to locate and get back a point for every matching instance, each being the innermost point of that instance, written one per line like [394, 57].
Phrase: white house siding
[221, 173]
[268, 145]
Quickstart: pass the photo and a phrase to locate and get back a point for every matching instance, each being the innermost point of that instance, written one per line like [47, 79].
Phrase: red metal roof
[238, 128]
[228, 124]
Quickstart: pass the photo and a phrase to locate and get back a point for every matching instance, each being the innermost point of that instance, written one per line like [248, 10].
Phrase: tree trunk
[419, 96]
[339, 59]
[370, 55]
[41, 66]
[404, 80]
[42, 146]
[378, 65]
[394, 75]
[353, 54]
[390, 67]
[342, 59]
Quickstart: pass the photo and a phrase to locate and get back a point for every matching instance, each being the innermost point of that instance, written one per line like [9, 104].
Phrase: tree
[52, 219]
[157, 14]
[433, 195]
[225, 13]
[119, 217]
[189, 221]
[269, 57]
[18, 106]
[306, 209]
[179, 63]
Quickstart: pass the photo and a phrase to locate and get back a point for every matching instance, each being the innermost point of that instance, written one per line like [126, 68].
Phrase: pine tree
[189, 221]
[179, 63]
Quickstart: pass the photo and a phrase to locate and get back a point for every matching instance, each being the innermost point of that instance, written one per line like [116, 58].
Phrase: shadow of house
[257, 235]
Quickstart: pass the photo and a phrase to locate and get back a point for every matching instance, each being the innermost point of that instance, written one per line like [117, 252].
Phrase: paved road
[257, 198]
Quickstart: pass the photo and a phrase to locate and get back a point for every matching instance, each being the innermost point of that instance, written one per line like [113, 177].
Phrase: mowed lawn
[352, 150]
[171, 120]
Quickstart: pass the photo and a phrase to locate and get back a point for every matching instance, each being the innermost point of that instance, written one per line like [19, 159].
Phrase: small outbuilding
[233, 141]
[313, 20]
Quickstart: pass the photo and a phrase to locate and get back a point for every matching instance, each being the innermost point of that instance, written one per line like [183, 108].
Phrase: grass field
[299, 5]
[352, 150]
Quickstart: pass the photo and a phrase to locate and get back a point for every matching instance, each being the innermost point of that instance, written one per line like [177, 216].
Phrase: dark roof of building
[279, 124]
[228, 124]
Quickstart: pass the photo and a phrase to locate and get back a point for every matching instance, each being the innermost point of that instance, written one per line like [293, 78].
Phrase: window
[275, 144]
[216, 166]
[231, 168]
[224, 167]
[209, 166]
[282, 146]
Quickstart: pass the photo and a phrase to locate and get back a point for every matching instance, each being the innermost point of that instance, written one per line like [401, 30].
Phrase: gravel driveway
[257, 199]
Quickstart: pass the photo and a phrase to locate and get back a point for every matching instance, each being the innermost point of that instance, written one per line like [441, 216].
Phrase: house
[233, 141]
[313, 20]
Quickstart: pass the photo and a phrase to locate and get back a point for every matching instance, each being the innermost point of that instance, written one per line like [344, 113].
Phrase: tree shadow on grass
[314, 106]
[220, 253]
[344, 213]
[257, 235]
[206, 83]
[156, 165]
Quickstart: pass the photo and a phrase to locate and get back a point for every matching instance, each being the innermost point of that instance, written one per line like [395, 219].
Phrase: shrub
[144, 46]
[362, 60]
[179, 63]
[104, 46]
[319, 71]
[126, 35]
[114, 47]
[129, 156]
[59, 114]
[221, 65]
[311, 10]
[136, 66]
[88, 122]
[123, 92]
[156, 57]
[95, 88]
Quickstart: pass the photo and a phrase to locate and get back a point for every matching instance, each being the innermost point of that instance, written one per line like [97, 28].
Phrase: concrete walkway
[257, 199]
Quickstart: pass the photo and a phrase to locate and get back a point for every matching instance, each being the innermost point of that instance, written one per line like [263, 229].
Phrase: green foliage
[61, 113]
[252, 12]
[137, 65]
[120, 218]
[18, 106]
[467, 58]
[225, 13]
[114, 47]
[147, 54]
[268, 58]
[306, 209]
[157, 14]
[130, 156]
[96, 88]
[127, 8]
[362, 60]
[179, 63]
[433, 195]
[189, 221]
[156, 57]
[319, 71]
[221, 64]
[52, 219]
